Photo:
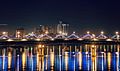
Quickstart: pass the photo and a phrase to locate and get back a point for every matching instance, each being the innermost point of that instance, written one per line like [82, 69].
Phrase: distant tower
[20, 32]
[59, 27]
[62, 28]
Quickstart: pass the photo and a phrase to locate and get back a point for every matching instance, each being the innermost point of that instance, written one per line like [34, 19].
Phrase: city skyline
[81, 15]
[59, 35]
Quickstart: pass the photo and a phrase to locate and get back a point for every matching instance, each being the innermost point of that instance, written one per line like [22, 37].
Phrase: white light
[109, 40]
[52, 39]
[74, 32]
[46, 32]
[10, 40]
[60, 32]
[24, 40]
[86, 52]
[95, 39]
[3, 33]
[37, 39]
[88, 32]
[102, 32]
[66, 52]
[80, 39]
[4, 38]
[102, 52]
[116, 53]
[18, 32]
[116, 33]
[66, 39]
[93, 35]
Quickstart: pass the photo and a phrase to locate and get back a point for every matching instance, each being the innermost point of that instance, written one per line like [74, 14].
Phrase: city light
[4, 33]
[60, 35]
[46, 32]
[88, 32]
[116, 33]
[18, 32]
[52, 39]
[60, 32]
[37, 39]
[95, 39]
[80, 39]
[102, 32]
[109, 40]
[40, 45]
[10, 40]
[24, 40]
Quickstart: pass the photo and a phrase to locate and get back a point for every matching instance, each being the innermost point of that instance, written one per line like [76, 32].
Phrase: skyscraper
[62, 28]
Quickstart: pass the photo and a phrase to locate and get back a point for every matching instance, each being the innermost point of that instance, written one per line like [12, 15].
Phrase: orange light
[46, 32]
[39, 45]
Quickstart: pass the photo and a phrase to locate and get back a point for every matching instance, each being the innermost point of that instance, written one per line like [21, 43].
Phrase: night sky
[82, 15]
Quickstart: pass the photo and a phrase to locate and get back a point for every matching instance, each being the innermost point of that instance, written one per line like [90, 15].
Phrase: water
[60, 58]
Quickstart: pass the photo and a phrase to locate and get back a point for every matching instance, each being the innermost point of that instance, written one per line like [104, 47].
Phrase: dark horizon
[82, 15]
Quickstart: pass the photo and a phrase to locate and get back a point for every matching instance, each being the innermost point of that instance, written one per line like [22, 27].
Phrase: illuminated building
[62, 28]
[39, 30]
[20, 32]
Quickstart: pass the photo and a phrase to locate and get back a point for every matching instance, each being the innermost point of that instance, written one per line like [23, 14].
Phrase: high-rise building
[20, 32]
[62, 28]
[39, 30]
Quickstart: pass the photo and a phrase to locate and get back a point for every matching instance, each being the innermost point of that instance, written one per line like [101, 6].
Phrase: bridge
[73, 36]
[31, 39]
[58, 43]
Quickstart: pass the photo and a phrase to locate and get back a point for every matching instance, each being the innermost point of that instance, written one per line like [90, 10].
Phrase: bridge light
[37, 39]
[116, 33]
[10, 40]
[4, 33]
[93, 35]
[60, 32]
[74, 32]
[109, 40]
[52, 39]
[95, 39]
[80, 39]
[46, 32]
[102, 32]
[24, 40]
[88, 32]
[63, 33]
[66, 39]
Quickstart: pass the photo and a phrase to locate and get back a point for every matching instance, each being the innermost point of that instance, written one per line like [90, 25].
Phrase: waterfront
[87, 57]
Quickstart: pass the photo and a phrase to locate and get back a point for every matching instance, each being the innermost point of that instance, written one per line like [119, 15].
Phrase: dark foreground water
[31, 59]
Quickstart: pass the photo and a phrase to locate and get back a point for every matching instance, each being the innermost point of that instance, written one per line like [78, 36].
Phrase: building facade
[20, 33]
[62, 28]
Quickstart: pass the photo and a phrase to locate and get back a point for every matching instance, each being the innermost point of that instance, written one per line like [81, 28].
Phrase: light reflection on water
[33, 59]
